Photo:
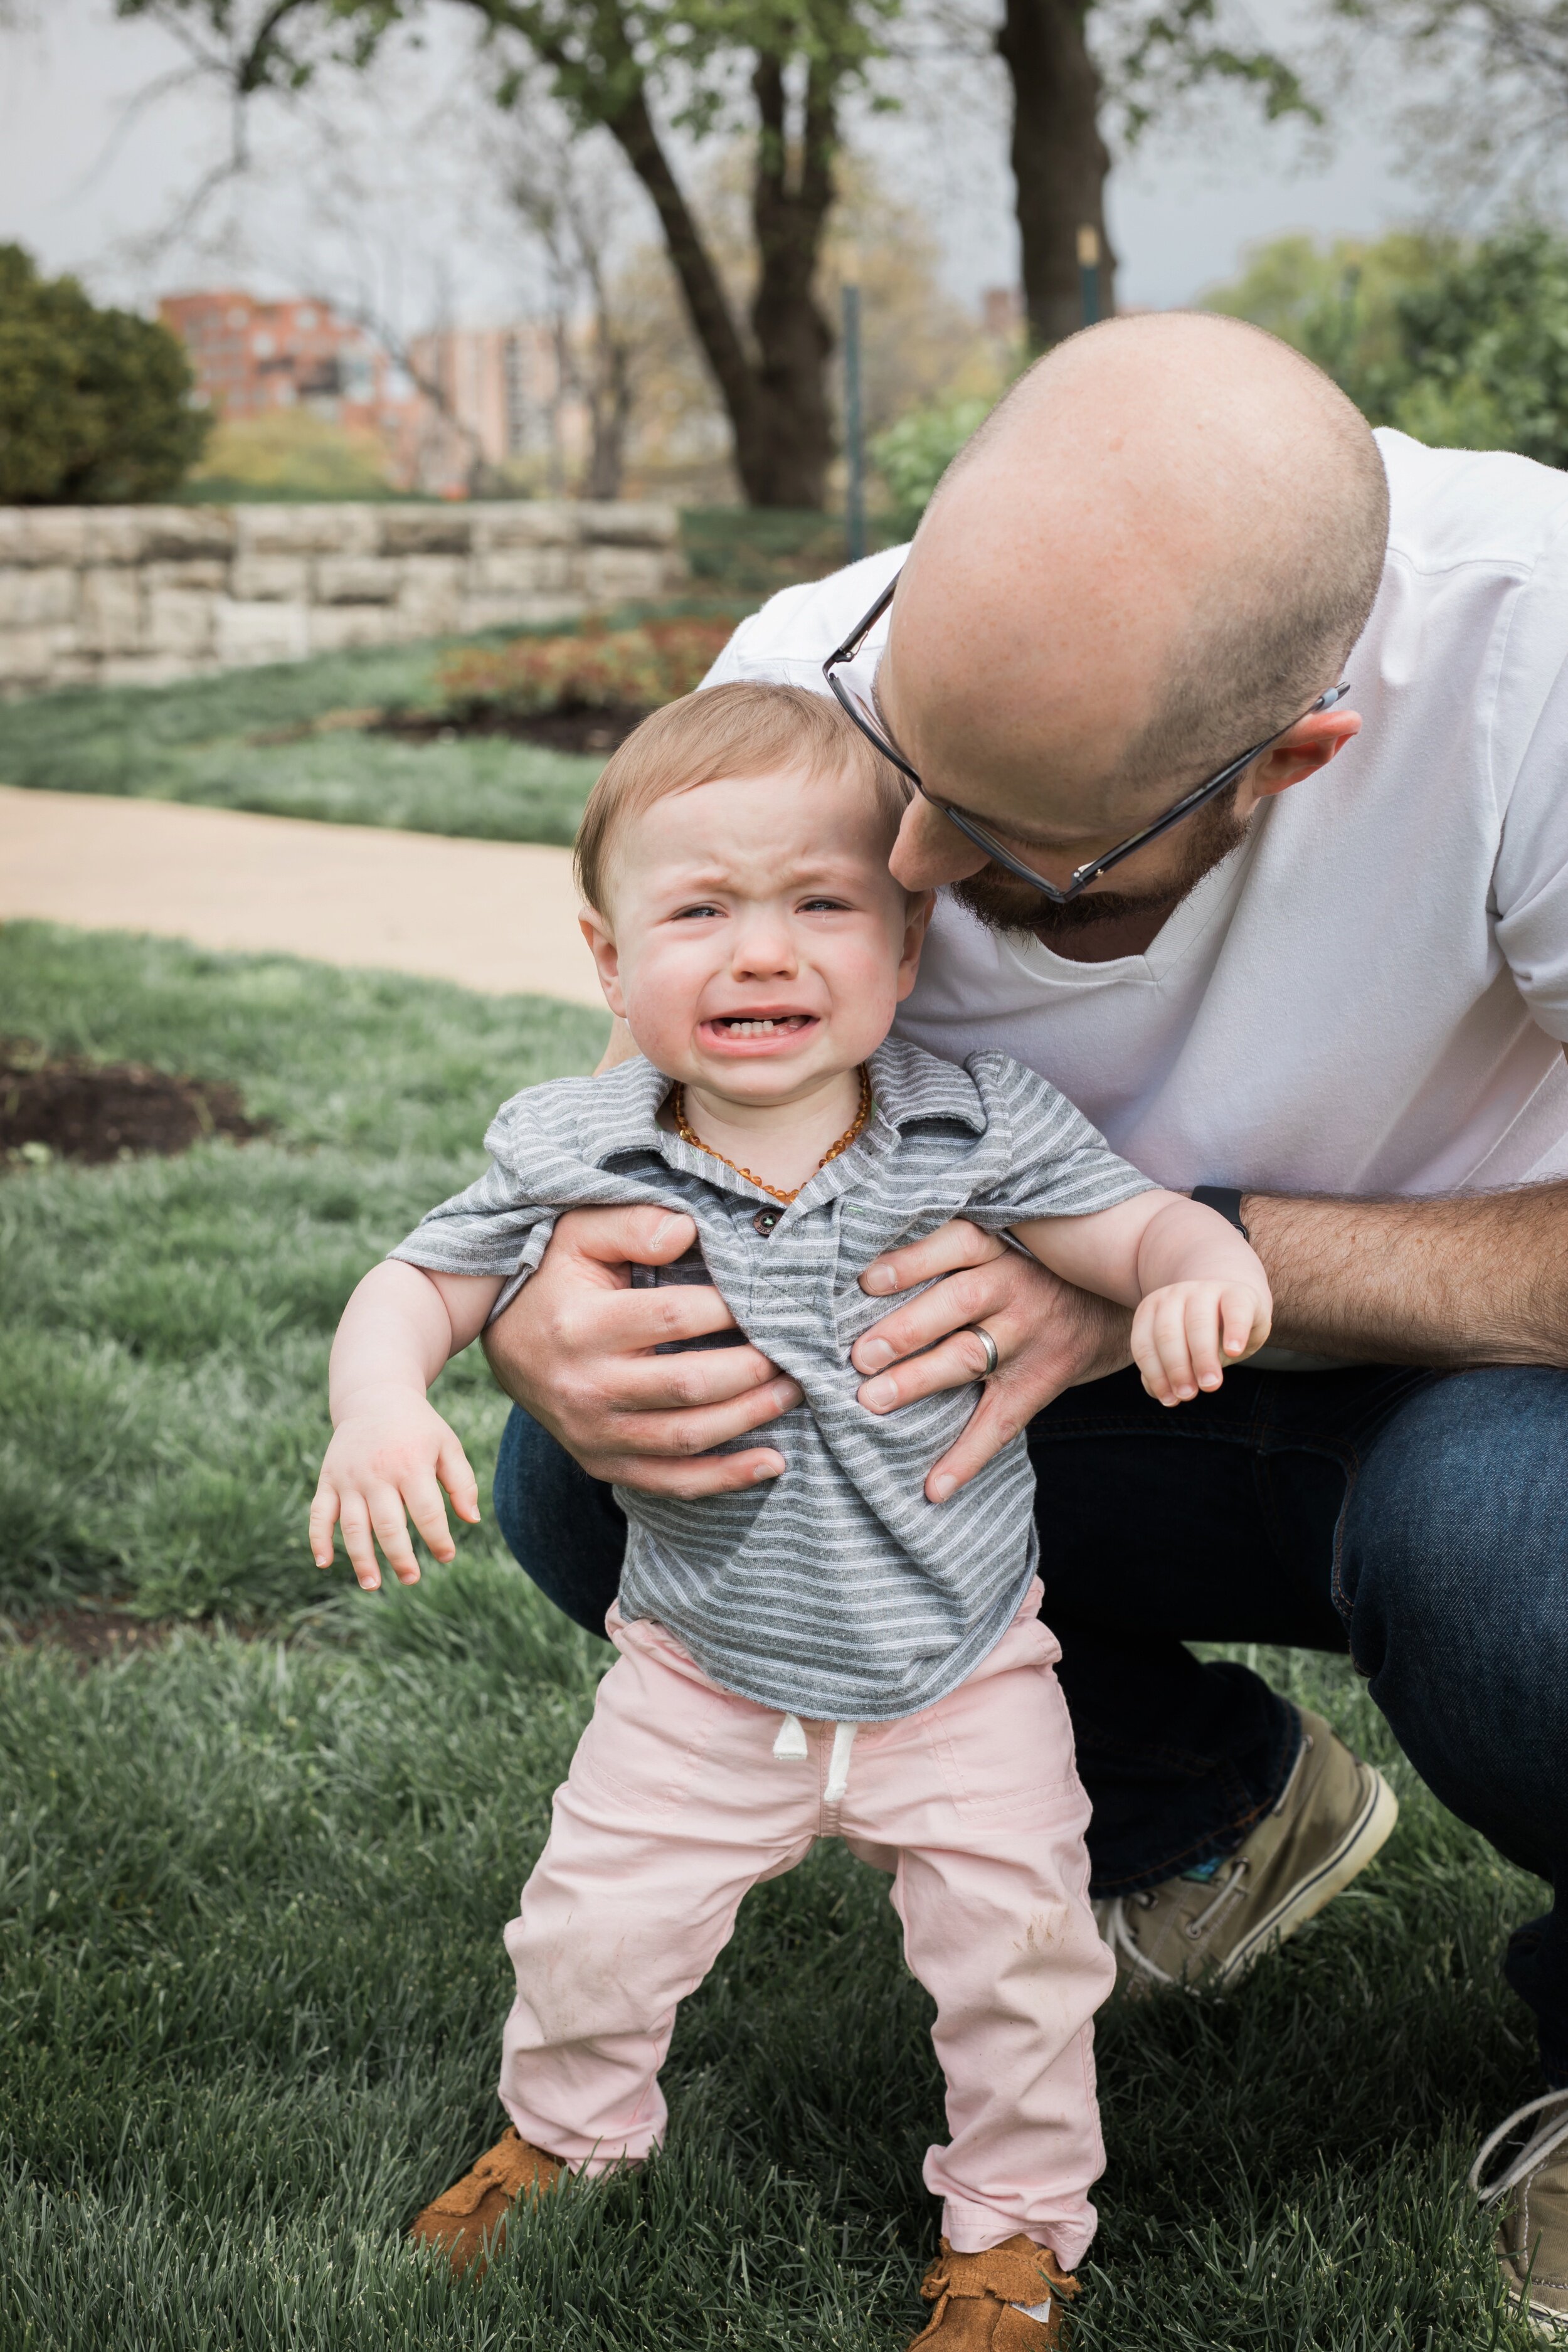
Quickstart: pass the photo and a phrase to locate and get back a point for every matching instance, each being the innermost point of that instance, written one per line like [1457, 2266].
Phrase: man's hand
[391, 1452]
[576, 1349]
[1049, 1336]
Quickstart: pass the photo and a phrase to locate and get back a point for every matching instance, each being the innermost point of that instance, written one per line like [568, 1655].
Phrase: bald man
[1305, 948]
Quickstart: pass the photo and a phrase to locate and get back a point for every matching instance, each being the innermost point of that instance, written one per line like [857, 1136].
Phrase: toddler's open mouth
[754, 1029]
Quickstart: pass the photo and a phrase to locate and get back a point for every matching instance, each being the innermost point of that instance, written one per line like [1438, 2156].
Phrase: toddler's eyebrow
[824, 868]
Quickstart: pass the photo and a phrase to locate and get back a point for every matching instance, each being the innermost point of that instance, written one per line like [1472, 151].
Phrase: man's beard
[1003, 904]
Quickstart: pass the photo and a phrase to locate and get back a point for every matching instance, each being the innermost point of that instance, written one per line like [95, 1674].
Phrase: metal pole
[1088, 273]
[853, 436]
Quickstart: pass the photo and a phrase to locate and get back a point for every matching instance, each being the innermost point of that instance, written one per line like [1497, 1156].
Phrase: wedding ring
[989, 1344]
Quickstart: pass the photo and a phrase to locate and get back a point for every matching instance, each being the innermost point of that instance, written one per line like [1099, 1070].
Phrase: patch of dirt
[581, 729]
[99, 1632]
[98, 1111]
[91, 1634]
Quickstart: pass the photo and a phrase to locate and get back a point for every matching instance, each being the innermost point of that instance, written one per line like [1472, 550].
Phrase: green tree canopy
[1459, 344]
[95, 404]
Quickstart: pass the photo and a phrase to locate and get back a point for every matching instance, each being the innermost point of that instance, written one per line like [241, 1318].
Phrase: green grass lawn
[252, 1986]
[164, 1324]
[251, 1890]
[194, 741]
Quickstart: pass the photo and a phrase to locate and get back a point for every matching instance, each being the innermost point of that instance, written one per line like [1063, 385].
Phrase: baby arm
[391, 1451]
[1202, 1297]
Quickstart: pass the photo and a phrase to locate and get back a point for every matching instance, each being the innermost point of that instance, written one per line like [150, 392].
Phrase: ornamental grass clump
[594, 669]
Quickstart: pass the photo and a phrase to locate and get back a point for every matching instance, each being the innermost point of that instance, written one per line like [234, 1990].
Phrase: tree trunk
[610, 410]
[778, 407]
[794, 340]
[1059, 162]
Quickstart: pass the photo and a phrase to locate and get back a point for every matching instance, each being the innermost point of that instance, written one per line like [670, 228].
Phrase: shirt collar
[911, 1086]
[908, 1087]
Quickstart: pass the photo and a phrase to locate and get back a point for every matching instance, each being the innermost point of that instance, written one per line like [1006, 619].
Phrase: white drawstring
[790, 1748]
[839, 1762]
[1548, 2138]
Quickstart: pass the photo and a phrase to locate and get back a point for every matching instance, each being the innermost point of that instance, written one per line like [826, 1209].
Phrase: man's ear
[1305, 752]
[602, 946]
[922, 907]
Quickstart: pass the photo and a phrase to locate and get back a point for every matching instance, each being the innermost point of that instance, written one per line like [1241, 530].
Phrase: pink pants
[676, 1804]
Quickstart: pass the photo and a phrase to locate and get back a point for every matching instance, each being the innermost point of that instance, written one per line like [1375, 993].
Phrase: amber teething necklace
[850, 1136]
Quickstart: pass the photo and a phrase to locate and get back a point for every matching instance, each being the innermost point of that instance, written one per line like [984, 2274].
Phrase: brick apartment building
[251, 357]
[513, 387]
[505, 393]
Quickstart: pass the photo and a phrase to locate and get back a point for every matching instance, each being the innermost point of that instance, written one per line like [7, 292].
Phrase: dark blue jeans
[1420, 1522]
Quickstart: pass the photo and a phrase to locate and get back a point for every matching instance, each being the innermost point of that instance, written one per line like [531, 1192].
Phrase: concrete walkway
[498, 916]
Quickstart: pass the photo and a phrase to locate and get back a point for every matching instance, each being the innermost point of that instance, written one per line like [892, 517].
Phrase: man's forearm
[1482, 1280]
[622, 1047]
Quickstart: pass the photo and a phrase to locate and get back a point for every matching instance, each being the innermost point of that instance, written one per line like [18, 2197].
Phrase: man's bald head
[1157, 551]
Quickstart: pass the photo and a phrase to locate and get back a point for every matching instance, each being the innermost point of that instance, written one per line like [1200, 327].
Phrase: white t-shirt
[1371, 994]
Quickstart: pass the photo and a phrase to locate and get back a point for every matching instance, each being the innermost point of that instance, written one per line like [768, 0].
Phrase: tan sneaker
[467, 2219]
[1011, 2299]
[1532, 2241]
[1334, 1815]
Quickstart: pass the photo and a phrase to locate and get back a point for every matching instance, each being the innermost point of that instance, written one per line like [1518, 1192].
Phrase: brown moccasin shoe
[465, 2221]
[1009, 2299]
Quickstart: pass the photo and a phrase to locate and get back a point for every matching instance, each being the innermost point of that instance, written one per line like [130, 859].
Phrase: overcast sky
[78, 195]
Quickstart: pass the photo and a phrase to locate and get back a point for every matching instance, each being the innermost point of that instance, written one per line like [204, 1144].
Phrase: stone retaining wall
[134, 595]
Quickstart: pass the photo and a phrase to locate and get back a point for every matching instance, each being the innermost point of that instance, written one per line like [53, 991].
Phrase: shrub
[293, 452]
[1486, 347]
[912, 456]
[594, 668]
[1459, 344]
[1340, 304]
[95, 405]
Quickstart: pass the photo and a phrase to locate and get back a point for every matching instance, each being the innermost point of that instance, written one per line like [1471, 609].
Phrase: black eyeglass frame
[981, 836]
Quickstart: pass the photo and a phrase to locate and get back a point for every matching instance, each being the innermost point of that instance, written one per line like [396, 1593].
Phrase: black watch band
[1226, 1199]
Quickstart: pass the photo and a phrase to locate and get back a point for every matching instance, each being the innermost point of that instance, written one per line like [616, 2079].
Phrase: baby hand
[1185, 1334]
[387, 1453]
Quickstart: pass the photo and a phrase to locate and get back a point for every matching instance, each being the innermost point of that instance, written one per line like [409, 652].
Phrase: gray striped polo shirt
[835, 1592]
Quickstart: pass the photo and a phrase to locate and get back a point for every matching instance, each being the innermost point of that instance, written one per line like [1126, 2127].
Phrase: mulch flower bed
[583, 690]
[587, 670]
[588, 728]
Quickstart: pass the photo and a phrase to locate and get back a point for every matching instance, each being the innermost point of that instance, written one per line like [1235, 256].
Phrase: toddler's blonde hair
[721, 731]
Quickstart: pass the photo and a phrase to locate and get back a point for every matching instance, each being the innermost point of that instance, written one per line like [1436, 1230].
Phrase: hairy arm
[1482, 1280]
[622, 1047]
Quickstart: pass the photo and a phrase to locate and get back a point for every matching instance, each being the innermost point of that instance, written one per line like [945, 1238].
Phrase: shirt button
[766, 1220]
